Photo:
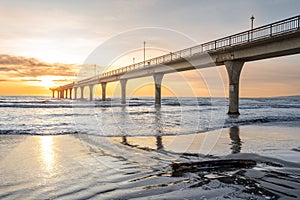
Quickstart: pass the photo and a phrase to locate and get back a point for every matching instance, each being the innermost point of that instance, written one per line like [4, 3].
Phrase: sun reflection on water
[47, 152]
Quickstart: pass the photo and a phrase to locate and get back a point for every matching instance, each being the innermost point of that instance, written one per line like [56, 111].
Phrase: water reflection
[124, 140]
[236, 143]
[47, 154]
[159, 143]
[158, 130]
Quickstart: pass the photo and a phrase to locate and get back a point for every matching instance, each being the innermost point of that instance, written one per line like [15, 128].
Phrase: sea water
[48, 116]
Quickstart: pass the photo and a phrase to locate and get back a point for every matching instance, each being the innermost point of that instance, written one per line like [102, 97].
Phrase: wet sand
[83, 167]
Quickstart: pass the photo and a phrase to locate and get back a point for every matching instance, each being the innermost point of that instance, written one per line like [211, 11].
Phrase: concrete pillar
[61, 94]
[70, 93]
[66, 91]
[91, 92]
[103, 86]
[81, 90]
[234, 69]
[157, 80]
[58, 94]
[75, 93]
[53, 93]
[123, 90]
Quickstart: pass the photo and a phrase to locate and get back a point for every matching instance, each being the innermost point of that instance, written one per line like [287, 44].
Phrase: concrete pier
[157, 80]
[281, 38]
[103, 87]
[123, 90]
[234, 69]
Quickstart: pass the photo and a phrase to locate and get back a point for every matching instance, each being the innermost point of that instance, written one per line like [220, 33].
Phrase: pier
[281, 38]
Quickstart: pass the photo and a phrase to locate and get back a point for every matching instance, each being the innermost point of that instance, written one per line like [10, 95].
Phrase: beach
[82, 166]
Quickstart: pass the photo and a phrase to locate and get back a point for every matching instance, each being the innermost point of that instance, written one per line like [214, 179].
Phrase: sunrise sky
[47, 43]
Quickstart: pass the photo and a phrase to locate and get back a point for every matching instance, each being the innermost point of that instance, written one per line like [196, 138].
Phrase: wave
[33, 133]
[233, 122]
[25, 102]
[35, 106]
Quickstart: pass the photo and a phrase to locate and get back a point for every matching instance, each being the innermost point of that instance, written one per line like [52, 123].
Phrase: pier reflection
[181, 143]
[159, 143]
[236, 143]
[157, 128]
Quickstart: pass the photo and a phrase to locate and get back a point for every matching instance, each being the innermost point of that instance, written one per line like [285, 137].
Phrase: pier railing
[267, 31]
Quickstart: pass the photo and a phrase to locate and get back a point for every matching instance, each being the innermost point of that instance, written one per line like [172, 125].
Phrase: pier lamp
[252, 19]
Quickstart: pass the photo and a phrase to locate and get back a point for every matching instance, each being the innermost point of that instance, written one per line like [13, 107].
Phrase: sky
[49, 43]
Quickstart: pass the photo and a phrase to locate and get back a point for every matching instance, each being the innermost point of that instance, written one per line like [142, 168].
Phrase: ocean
[67, 149]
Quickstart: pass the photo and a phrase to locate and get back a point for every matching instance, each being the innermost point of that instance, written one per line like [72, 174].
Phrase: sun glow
[47, 81]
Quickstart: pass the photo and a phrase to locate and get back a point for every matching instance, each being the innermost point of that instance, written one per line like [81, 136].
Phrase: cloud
[18, 66]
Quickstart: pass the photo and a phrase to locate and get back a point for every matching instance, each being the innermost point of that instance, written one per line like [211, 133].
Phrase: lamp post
[252, 19]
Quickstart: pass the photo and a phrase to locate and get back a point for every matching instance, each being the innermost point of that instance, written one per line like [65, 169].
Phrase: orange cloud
[18, 66]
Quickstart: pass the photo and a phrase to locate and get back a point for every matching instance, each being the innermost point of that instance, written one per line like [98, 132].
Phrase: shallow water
[85, 166]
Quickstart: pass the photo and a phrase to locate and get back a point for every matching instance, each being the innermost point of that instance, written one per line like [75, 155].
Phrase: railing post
[248, 36]
[215, 44]
[271, 30]
[229, 40]
[299, 22]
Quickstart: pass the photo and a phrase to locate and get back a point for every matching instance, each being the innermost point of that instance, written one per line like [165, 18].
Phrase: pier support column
[81, 91]
[91, 92]
[103, 86]
[53, 93]
[234, 69]
[157, 80]
[75, 93]
[123, 90]
[66, 91]
[70, 93]
[61, 94]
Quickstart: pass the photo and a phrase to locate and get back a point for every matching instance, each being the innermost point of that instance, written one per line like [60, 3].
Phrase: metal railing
[270, 30]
